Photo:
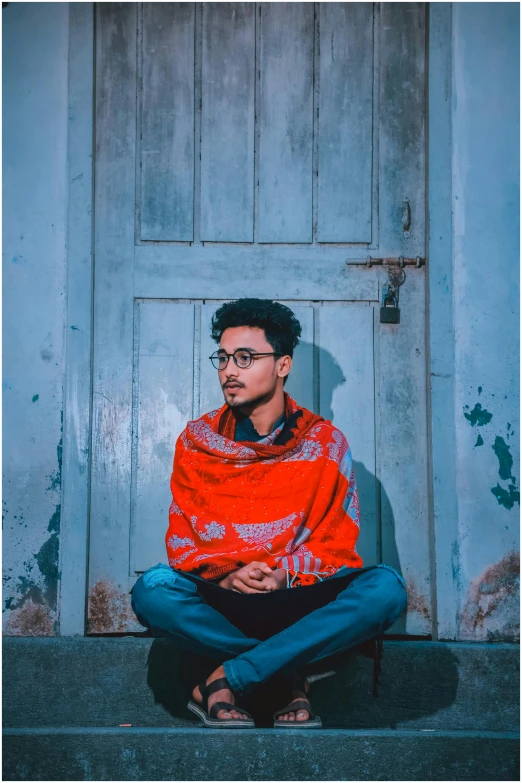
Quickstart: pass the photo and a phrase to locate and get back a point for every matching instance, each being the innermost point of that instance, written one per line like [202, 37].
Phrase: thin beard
[248, 403]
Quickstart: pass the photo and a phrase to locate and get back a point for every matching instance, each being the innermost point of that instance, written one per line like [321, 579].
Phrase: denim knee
[160, 575]
[394, 592]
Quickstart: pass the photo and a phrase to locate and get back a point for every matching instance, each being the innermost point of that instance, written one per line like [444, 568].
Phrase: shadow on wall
[374, 503]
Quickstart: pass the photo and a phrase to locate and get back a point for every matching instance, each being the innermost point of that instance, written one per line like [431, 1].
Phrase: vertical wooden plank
[164, 405]
[300, 383]
[109, 607]
[286, 105]
[402, 127]
[347, 398]
[227, 122]
[442, 436]
[403, 450]
[345, 122]
[74, 528]
[167, 121]
[210, 393]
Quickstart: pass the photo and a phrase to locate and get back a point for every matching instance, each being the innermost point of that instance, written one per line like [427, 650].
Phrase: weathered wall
[485, 121]
[35, 48]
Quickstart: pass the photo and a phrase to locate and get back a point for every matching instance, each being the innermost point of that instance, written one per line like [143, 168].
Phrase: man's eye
[243, 357]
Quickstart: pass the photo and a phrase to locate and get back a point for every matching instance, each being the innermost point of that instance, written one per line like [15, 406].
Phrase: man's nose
[231, 370]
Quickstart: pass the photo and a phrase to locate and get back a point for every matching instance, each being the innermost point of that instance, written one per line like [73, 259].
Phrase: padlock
[389, 314]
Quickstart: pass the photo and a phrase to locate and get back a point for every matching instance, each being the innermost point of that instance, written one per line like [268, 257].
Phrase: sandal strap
[298, 704]
[217, 685]
[225, 705]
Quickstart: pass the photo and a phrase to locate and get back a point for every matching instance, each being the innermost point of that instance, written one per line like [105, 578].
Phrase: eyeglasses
[242, 358]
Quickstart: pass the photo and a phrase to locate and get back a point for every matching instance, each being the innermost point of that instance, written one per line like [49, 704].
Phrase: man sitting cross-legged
[263, 572]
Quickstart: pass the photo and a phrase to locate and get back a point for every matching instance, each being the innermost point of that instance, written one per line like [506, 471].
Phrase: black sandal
[296, 683]
[209, 716]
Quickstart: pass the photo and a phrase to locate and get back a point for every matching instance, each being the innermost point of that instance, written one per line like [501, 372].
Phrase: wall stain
[505, 460]
[492, 606]
[507, 498]
[109, 609]
[416, 601]
[478, 415]
[480, 441]
[31, 619]
[36, 397]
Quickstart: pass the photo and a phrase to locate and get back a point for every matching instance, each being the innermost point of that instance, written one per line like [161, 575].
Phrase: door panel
[227, 122]
[256, 168]
[162, 405]
[286, 119]
[167, 121]
[345, 122]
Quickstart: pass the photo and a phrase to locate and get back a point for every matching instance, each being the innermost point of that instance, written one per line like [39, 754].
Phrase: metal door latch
[390, 314]
[400, 261]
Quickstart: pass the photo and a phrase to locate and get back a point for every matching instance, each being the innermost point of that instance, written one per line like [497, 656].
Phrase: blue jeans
[297, 626]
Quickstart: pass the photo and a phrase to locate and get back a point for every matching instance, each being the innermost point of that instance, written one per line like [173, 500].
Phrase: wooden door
[253, 149]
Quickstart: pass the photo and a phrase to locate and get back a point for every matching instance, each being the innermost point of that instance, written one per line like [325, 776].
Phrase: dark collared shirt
[245, 430]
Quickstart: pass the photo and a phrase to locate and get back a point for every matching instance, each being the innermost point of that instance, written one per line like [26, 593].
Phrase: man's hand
[256, 577]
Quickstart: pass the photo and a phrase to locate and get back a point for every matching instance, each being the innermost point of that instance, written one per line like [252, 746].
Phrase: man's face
[255, 384]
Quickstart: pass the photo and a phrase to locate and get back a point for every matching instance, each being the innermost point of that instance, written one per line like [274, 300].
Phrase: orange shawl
[293, 505]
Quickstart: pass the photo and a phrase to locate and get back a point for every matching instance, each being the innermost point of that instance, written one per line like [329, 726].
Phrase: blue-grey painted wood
[211, 396]
[345, 122]
[307, 277]
[402, 52]
[344, 338]
[77, 391]
[227, 122]
[163, 405]
[402, 450]
[286, 121]
[167, 121]
[211, 272]
[443, 507]
[108, 602]
[300, 383]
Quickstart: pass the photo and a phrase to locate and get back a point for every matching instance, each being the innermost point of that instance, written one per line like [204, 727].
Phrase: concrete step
[257, 754]
[104, 682]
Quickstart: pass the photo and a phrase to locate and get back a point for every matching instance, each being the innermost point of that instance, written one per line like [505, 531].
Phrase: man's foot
[222, 695]
[301, 714]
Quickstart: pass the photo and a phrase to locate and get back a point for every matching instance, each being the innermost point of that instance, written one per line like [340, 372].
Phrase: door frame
[74, 539]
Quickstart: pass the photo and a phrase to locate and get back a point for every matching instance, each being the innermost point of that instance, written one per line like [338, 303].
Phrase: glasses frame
[252, 355]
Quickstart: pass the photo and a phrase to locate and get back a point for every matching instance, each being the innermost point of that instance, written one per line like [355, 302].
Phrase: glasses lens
[219, 361]
[243, 359]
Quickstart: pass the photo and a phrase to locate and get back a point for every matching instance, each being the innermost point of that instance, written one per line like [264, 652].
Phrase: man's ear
[285, 365]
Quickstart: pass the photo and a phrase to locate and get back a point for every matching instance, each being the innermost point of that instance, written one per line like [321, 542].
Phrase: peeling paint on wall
[33, 606]
[478, 415]
[505, 460]
[506, 497]
[491, 611]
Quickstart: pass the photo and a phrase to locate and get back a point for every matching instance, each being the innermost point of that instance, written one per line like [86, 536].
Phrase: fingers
[258, 570]
[241, 587]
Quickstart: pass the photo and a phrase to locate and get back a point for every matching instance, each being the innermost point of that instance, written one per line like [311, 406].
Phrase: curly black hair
[281, 327]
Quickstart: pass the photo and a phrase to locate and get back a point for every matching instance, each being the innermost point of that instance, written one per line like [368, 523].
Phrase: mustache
[233, 383]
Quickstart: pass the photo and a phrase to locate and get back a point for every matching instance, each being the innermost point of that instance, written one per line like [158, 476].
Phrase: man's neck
[264, 416]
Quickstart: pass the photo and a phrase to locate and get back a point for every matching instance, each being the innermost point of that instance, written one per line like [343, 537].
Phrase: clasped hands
[256, 577]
